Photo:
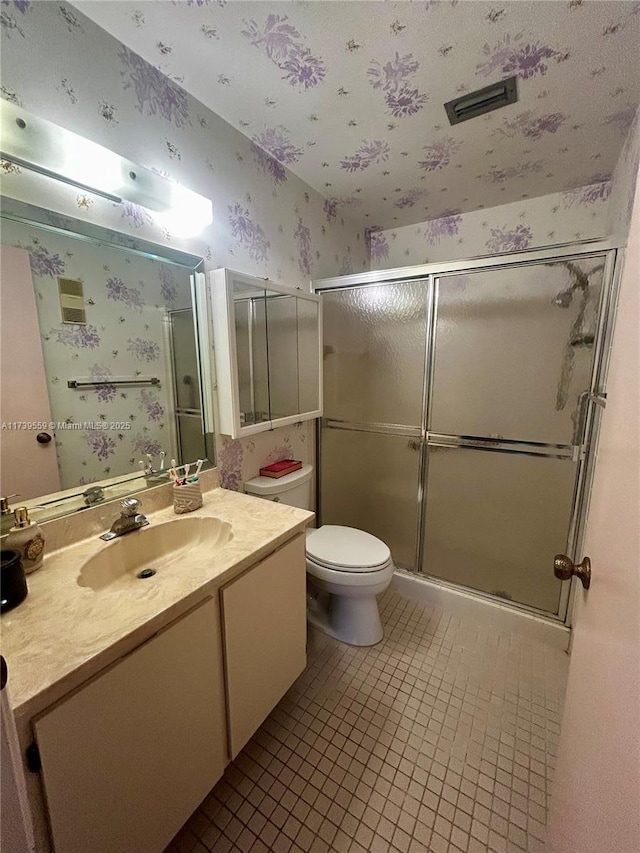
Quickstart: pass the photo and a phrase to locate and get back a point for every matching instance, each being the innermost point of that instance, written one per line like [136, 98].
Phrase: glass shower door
[513, 355]
[374, 374]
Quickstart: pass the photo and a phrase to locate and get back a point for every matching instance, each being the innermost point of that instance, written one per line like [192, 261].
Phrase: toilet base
[355, 621]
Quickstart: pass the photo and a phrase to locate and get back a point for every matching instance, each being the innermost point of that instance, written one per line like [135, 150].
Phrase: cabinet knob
[564, 568]
[43, 438]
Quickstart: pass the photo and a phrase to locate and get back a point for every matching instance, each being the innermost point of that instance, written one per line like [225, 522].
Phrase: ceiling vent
[482, 101]
[71, 291]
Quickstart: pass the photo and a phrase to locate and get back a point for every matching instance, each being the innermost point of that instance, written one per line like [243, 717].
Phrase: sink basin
[155, 550]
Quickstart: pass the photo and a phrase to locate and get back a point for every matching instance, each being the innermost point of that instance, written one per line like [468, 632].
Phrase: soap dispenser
[6, 515]
[26, 537]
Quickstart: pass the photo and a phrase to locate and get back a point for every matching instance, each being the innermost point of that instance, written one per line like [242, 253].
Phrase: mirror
[268, 340]
[100, 372]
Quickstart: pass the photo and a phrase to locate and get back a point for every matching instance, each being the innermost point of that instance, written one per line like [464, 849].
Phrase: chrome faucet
[130, 519]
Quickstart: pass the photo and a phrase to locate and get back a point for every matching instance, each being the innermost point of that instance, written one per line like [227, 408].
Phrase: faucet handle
[129, 507]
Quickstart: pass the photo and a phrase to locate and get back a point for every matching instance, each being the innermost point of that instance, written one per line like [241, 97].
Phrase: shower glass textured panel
[185, 361]
[191, 438]
[495, 521]
[514, 350]
[370, 481]
[374, 352]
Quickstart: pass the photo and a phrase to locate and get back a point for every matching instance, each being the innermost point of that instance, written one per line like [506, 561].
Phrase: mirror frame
[58, 504]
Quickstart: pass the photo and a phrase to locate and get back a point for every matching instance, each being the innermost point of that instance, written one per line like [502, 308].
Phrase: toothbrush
[173, 473]
[194, 479]
[186, 473]
[162, 455]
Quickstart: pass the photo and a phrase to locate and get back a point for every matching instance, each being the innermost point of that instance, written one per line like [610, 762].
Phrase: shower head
[564, 298]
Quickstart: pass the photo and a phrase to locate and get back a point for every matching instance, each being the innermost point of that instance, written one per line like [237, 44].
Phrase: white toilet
[346, 568]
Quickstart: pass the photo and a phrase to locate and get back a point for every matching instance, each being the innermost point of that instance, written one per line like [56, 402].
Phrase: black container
[13, 584]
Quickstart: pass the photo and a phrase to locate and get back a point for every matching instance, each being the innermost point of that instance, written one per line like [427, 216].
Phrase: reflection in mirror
[277, 340]
[99, 359]
[251, 353]
[282, 335]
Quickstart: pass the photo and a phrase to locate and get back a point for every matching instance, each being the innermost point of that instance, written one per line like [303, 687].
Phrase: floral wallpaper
[624, 184]
[241, 459]
[350, 95]
[578, 214]
[126, 298]
[267, 221]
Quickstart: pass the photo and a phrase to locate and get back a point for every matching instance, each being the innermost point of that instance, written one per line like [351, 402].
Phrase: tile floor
[441, 738]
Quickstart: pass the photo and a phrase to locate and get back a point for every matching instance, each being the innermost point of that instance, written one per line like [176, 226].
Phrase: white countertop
[62, 633]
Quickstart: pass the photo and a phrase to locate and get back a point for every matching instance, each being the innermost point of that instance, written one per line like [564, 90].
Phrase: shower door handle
[564, 568]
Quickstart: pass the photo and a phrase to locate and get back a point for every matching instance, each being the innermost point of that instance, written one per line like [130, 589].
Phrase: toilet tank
[293, 489]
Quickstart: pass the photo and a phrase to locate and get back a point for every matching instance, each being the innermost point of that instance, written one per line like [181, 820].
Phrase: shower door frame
[593, 402]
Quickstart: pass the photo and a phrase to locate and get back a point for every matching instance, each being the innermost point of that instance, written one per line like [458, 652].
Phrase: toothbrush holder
[187, 498]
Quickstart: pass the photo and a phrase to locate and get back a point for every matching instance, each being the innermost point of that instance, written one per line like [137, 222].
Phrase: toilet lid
[346, 549]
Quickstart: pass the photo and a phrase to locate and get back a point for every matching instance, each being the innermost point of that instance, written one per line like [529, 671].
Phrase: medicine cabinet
[268, 340]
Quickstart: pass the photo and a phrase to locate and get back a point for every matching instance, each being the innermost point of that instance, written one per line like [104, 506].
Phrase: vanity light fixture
[46, 148]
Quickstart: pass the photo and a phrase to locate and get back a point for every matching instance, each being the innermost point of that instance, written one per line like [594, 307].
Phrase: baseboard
[481, 610]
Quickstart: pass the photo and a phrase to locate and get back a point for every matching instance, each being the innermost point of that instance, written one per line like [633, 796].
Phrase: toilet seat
[344, 579]
[345, 549]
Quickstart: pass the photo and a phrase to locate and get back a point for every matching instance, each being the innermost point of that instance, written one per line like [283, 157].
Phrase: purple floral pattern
[499, 176]
[104, 393]
[143, 443]
[8, 21]
[100, 443]
[230, 464]
[305, 258]
[515, 56]
[77, 336]
[439, 154]
[596, 190]
[150, 405]
[411, 198]
[135, 215]
[369, 153]
[168, 284]
[155, 94]
[249, 233]
[447, 225]
[143, 349]
[402, 99]
[376, 242]
[530, 126]
[331, 205]
[118, 291]
[505, 239]
[285, 47]
[272, 150]
[43, 262]
[622, 119]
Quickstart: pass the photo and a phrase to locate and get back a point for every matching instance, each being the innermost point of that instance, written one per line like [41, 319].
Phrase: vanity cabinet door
[264, 614]
[128, 757]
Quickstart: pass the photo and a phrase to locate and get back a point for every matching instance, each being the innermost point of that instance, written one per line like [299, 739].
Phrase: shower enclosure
[460, 406]
[190, 437]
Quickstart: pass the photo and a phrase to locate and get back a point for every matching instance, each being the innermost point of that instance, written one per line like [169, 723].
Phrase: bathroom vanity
[130, 697]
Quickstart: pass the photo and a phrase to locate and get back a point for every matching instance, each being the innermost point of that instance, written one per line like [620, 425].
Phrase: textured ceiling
[349, 95]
